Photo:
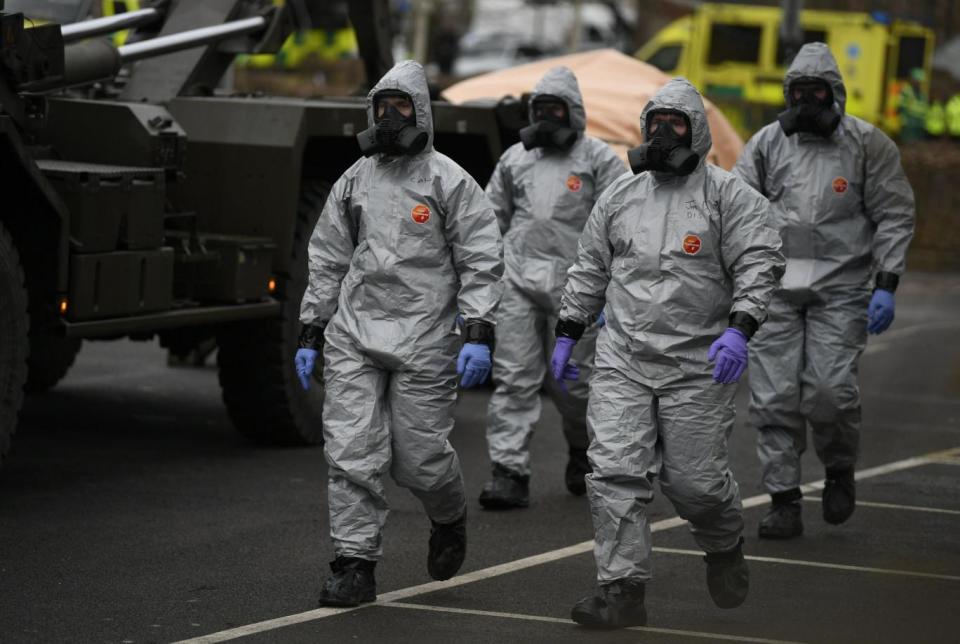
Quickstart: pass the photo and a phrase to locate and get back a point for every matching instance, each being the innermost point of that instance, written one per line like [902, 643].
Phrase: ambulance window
[666, 58]
[911, 56]
[733, 44]
[809, 35]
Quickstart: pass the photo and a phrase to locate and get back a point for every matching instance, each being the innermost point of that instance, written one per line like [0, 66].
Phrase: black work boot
[577, 467]
[351, 583]
[619, 605]
[448, 547]
[728, 578]
[783, 518]
[839, 496]
[505, 490]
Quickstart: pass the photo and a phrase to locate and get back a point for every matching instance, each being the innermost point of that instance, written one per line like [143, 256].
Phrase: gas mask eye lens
[811, 93]
[810, 110]
[551, 109]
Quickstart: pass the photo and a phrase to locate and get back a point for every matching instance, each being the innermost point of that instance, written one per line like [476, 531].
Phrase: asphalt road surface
[130, 511]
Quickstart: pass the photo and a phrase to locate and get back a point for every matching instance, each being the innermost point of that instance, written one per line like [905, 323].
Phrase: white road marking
[890, 468]
[821, 564]
[892, 506]
[526, 562]
[567, 622]
[949, 459]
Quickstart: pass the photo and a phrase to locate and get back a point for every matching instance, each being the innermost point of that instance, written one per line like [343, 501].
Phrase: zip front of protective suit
[669, 259]
[404, 243]
[845, 211]
[542, 198]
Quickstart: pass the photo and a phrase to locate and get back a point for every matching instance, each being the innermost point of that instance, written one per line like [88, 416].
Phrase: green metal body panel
[232, 169]
[248, 156]
[140, 134]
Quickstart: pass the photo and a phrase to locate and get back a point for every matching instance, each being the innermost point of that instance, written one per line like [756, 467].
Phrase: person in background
[845, 211]
[542, 191]
[935, 122]
[913, 107]
[953, 117]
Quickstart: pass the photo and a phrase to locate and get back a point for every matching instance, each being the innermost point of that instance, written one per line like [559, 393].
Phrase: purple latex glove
[473, 364]
[880, 311]
[560, 365]
[730, 351]
[305, 361]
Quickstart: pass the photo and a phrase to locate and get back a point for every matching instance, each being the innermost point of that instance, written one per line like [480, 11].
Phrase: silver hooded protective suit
[668, 259]
[403, 243]
[844, 209]
[542, 198]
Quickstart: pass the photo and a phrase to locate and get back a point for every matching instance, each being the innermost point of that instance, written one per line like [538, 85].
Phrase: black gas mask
[665, 151]
[809, 113]
[549, 130]
[392, 133]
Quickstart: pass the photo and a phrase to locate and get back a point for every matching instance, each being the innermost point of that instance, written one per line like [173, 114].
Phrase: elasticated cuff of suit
[311, 336]
[888, 281]
[478, 331]
[744, 322]
[570, 329]
[788, 496]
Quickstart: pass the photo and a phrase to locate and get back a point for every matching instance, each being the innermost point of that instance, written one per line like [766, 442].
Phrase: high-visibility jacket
[913, 105]
[116, 7]
[936, 119]
[953, 116]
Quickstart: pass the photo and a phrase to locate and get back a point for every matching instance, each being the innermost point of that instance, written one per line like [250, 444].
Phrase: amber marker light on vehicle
[272, 286]
[64, 305]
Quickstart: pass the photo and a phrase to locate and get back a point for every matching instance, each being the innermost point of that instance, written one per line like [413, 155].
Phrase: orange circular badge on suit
[420, 214]
[574, 183]
[691, 244]
[840, 185]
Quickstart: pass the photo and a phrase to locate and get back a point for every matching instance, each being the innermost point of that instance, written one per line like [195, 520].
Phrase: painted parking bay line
[567, 622]
[528, 562]
[821, 564]
[892, 506]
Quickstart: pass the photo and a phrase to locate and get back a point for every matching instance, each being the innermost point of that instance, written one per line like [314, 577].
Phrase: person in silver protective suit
[405, 241]
[542, 191]
[845, 211]
[681, 259]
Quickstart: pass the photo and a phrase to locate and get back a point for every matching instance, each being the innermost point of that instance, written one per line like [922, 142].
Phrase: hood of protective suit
[814, 60]
[407, 77]
[562, 83]
[842, 205]
[680, 95]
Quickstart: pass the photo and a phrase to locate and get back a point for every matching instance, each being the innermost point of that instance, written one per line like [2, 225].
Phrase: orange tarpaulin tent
[615, 89]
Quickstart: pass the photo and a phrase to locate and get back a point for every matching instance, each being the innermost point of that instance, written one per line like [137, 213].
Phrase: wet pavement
[131, 511]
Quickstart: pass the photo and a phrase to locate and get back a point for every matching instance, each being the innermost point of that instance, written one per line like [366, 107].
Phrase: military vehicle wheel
[14, 330]
[260, 387]
[50, 359]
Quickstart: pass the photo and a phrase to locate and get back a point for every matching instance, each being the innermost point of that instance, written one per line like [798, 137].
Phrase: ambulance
[733, 53]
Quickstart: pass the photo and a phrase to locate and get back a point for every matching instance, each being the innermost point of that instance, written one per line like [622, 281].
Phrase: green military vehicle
[163, 207]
